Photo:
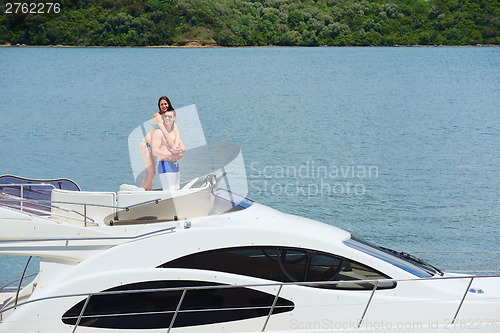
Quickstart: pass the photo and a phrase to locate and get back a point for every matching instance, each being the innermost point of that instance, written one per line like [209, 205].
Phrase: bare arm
[157, 148]
[158, 121]
[178, 141]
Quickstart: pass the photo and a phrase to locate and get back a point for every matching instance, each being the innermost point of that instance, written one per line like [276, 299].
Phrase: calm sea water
[400, 146]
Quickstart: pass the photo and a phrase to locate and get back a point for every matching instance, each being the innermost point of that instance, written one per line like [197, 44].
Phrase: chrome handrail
[258, 285]
[69, 202]
[22, 185]
[271, 310]
[84, 215]
[21, 280]
[177, 310]
[47, 215]
[88, 204]
[172, 229]
[462, 300]
[84, 307]
[17, 280]
[116, 208]
[368, 304]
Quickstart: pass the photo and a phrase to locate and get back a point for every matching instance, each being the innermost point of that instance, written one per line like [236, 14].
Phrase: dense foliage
[257, 22]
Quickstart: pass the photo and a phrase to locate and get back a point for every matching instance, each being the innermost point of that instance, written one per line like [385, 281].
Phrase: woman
[173, 141]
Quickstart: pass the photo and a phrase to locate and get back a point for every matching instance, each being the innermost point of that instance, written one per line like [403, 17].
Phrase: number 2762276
[32, 8]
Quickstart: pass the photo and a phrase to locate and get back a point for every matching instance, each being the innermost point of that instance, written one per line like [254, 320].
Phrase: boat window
[285, 264]
[150, 308]
[402, 260]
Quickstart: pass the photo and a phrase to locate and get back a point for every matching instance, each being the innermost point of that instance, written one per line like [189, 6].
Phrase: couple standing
[163, 141]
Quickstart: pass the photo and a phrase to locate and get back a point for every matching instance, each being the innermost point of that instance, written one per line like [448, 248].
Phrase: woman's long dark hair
[170, 107]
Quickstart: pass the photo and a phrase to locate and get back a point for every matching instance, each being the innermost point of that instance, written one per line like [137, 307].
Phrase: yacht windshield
[402, 260]
[31, 195]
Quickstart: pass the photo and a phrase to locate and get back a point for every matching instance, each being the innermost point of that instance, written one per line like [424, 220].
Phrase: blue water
[400, 146]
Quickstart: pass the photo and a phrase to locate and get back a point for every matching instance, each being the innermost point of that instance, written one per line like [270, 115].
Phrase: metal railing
[280, 285]
[46, 214]
[46, 207]
[50, 204]
[21, 187]
[8, 285]
[23, 276]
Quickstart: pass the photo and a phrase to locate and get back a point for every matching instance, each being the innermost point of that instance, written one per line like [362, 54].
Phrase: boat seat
[73, 204]
[178, 204]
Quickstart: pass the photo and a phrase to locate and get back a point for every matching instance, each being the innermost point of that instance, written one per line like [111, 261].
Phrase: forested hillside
[254, 22]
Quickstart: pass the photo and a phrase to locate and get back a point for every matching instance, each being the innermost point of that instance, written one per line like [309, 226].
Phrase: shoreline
[192, 45]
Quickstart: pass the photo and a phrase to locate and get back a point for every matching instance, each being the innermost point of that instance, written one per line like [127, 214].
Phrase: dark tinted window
[284, 265]
[155, 309]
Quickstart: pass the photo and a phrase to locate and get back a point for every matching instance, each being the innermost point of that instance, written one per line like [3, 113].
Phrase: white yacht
[203, 259]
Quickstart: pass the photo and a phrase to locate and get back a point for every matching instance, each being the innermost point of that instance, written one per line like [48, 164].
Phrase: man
[169, 149]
